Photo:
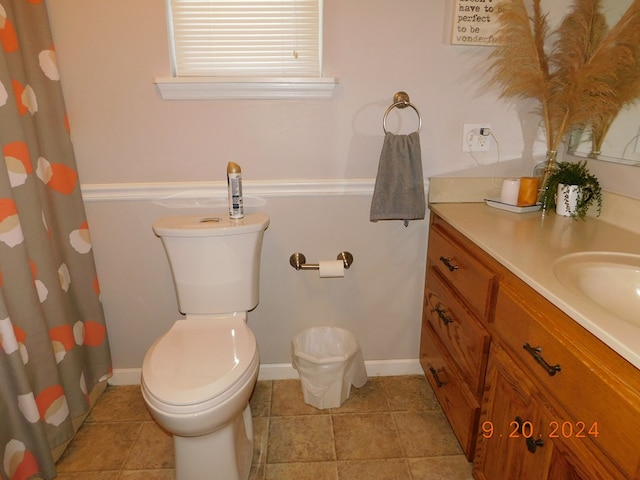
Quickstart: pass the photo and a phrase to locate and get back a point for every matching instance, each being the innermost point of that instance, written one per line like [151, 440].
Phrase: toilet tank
[214, 260]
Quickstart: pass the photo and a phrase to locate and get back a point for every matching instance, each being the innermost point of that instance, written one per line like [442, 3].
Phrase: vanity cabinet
[529, 393]
[522, 436]
[557, 400]
[458, 297]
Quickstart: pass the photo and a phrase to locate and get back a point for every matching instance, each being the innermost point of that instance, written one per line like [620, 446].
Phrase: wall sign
[474, 22]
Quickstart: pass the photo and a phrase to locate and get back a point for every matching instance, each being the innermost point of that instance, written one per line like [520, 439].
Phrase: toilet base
[224, 454]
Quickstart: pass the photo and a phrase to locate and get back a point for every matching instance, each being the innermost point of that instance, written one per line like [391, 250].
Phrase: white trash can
[329, 361]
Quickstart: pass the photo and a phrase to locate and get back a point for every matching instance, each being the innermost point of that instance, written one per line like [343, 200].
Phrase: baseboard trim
[283, 371]
[126, 376]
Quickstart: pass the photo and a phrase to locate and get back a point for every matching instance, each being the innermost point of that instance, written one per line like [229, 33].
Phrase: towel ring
[400, 100]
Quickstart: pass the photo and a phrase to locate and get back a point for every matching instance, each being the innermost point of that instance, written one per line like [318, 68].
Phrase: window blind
[246, 38]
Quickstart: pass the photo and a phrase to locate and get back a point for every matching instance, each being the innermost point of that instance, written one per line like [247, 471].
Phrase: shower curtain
[53, 342]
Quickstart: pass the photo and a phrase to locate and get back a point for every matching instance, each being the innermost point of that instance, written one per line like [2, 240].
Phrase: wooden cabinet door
[511, 438]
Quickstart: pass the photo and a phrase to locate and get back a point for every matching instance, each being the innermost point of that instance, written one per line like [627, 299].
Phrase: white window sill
[232, 88]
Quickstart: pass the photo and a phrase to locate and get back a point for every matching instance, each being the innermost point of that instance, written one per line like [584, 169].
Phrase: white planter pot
[567, 199]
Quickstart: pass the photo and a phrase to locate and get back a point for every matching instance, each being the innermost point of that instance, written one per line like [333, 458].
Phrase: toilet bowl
[200, 394]
[198, 377]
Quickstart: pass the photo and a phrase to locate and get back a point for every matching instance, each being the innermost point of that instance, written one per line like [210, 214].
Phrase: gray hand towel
[399, 189]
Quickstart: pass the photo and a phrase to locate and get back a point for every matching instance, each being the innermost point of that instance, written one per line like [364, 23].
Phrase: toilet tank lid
[209, 225]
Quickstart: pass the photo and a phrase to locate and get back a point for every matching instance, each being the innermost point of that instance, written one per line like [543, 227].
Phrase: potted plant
[572, 190]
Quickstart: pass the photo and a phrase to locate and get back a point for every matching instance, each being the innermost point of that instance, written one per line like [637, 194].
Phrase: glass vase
[549, 168]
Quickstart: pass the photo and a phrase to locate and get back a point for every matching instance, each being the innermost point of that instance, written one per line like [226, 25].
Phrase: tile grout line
[333, 442]
[395, 423]
[266, 446]
[124, 464]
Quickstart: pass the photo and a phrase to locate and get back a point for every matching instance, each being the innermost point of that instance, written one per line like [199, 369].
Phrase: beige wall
[109, 52]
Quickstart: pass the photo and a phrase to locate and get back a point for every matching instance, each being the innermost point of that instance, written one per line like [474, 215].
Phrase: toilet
[197, 378]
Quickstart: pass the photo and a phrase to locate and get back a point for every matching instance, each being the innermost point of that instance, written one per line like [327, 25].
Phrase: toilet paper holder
[299, 261]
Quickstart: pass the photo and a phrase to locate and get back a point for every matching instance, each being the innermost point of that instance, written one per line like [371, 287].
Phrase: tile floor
[390, 429]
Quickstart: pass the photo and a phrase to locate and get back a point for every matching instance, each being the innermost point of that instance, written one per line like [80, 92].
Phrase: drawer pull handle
[535, 353]
[442, 313]
[532, 444]
[434, 373]
[448, 264]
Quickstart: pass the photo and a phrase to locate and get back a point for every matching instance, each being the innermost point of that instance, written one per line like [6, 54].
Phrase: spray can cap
[233, 168]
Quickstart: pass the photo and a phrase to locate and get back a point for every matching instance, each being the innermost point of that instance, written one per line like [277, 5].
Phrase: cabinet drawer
[461, 334]
[572, 374]
[469, 277]
[460, 407]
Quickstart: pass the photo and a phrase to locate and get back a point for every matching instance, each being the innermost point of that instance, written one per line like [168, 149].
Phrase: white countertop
[528, 244]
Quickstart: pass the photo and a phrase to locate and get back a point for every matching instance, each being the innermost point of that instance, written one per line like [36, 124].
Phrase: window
[260, 38]
[246, 49]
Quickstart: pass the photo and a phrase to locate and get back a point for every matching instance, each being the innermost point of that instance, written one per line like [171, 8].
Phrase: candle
[528, 193]
[510, 190]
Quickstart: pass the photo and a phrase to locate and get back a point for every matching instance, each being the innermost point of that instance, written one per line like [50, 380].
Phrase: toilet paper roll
[331, 268]
[509, 192]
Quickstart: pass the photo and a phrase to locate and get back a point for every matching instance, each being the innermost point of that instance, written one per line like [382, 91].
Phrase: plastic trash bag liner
[329, 361]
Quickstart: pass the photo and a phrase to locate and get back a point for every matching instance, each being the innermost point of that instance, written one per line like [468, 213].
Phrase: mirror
[622, 142]
[621, 145]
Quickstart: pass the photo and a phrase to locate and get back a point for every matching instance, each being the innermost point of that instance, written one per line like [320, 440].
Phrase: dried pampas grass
[582, 74]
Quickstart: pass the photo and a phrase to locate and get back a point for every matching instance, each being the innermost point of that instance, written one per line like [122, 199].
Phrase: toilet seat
[199, 359]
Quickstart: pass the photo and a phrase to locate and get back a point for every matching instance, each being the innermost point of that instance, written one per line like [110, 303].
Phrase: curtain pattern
[53, 341]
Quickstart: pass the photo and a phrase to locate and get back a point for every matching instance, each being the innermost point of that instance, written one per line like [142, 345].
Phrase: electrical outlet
[475, 138]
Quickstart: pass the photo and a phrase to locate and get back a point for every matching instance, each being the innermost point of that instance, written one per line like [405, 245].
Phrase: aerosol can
[234, 183]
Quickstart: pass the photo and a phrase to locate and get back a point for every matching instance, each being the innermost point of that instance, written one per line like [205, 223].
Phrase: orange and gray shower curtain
[53, 341]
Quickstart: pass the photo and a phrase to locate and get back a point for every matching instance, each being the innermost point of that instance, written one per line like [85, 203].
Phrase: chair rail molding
[158, 191]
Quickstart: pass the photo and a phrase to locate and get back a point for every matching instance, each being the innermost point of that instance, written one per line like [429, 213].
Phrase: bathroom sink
[608, 279]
